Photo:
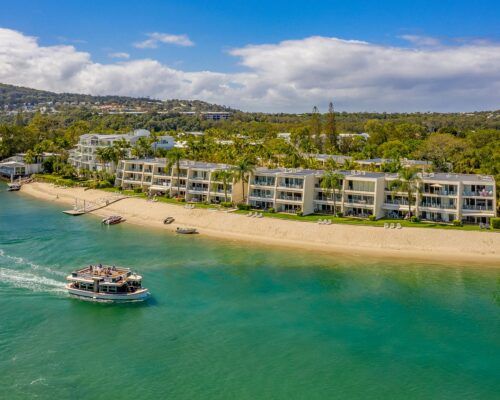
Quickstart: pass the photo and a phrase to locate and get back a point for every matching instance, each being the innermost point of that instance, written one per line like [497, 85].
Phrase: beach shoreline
[427, 245]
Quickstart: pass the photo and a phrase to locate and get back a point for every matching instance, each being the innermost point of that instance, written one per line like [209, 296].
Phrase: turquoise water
[228, 321]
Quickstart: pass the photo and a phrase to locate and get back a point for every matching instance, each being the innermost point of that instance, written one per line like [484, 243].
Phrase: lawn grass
[363, 222]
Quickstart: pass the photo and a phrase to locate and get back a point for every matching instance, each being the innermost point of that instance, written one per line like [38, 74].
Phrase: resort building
[195, 181]
[378, 162]
[16, 167]
[441, 197]
[297, 190]
[84, 155]
[445, 197]
[324, 158]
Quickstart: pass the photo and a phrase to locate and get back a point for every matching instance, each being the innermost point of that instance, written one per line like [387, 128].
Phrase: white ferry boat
[100, 282]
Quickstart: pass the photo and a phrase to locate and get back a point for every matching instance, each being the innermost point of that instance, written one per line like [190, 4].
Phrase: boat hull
[139, 295]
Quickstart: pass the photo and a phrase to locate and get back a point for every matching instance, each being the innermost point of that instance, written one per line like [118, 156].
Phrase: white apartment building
[445, 197]
[441, 197]
[195, 181]
[84, 155]
[297, 190]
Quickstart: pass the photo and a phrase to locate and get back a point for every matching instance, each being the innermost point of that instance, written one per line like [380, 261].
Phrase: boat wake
[27, 276]
[31, 265]
[30, 281]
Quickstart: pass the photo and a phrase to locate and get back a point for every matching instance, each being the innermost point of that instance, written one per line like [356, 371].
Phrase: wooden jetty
[83, 206]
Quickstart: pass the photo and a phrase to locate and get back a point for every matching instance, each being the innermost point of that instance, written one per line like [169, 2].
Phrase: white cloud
[421, 40]
[119, 55]
[289, 76]
[154, 39]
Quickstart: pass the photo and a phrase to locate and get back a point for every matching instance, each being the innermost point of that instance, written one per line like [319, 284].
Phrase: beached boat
[113, 220]
[105, 283]
[168, 220]
[13, 187]
[186, 231]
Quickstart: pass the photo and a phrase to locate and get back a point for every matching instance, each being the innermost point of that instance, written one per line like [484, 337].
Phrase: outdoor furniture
[386, 225]
[398, 225]
[392, 225]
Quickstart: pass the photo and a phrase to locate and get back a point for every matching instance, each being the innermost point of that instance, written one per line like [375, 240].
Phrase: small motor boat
[13, 187]
[168, 220]
[112, 220]
[186, 231]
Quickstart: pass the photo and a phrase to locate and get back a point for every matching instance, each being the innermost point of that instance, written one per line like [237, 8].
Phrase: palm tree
[153, 140]
[408, 181]
[174, 157]
[350, 164]
[104, 155]
[331, 182]
[225, 176]
[243, 168]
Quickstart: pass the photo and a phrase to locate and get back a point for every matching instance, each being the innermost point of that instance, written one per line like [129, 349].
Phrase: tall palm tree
[225, 176]
[174, 157]
[331, 182]
[408, 182]
[242, 169]
[153, 140]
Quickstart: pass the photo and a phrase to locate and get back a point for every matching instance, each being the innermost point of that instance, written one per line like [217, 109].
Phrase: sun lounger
[398, 225]
[329, 222]
[386, 225]
[392, 225]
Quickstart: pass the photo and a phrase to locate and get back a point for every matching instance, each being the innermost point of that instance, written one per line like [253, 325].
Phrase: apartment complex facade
[84, 155]
[441, 197]
[195, 181]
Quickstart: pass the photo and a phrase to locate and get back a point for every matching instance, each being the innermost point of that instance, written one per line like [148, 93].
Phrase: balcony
[295, 199]
[484, 193]
[439, 206]
[477, 208]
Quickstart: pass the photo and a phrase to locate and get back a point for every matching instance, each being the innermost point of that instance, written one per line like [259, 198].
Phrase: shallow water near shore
[229, 320]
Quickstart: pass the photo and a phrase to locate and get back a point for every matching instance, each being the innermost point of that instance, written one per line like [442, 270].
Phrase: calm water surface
[228, 321]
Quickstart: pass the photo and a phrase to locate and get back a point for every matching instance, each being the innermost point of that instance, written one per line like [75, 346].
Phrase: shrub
[414, 219]
[495, 223]
[457, 222]
[243, 206]
[271, 210]
[372, 218]
[300, 213]
[137, 190]
[339, 214]
[226, 204]
[180, 199]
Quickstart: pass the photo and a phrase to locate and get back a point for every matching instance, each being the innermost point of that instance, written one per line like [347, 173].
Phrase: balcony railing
[477, 208]
[291, 186]
[440, 193]
[290, 198]
[440, 206]
[478, 194]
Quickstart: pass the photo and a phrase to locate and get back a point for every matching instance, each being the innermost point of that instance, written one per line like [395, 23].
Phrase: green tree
[242, 169]
[408, 182]
[331, 128]
[174, 157]
[330, 183]
[316, 129]
[226, 177]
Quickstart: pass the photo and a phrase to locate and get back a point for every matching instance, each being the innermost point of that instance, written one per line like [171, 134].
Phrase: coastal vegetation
[456, 142]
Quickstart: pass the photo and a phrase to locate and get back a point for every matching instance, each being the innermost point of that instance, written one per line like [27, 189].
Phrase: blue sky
[216, 28]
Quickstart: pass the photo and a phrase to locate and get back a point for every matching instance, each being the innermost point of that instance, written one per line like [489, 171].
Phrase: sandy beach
[436, 245]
